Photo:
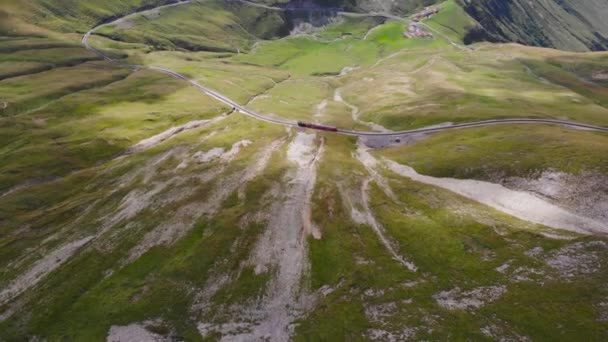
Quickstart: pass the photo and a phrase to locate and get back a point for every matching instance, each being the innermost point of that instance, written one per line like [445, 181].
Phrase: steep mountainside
[391, 6]
[564, 24]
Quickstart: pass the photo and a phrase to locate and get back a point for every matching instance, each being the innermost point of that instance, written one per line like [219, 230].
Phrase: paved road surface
[224, 99]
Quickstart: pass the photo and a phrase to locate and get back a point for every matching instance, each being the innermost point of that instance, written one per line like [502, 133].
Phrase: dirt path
[522, 205]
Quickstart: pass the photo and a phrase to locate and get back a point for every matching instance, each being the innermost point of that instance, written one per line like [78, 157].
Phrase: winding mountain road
[240, 108]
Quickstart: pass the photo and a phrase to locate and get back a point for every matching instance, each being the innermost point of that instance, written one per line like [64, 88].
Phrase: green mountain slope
[563, 24]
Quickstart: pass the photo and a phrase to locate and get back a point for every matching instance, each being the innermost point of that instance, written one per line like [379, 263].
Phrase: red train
[316, 126]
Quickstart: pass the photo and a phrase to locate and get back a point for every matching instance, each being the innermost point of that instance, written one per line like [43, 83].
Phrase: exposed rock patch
[501, 334]
[207, 156]
[585, 193]
[578, 259]
[457, 299]
[600, 76]
[390, 336]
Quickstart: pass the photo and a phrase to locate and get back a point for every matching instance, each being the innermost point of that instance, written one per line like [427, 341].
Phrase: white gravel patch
[220, 153]
[320, 109]
[42, 268]
[501, 334]
[390, 336]
[133, 333]
[504, 267]
[523, 273]
[207, 156]
[535, 252]
[234, 151]
[520, 204]
[456, 299]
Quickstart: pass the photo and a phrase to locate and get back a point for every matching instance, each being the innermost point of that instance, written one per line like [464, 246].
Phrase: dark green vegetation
[101, 226]
[563, 24]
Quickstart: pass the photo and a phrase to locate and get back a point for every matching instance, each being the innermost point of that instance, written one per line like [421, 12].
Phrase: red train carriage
[318, 127]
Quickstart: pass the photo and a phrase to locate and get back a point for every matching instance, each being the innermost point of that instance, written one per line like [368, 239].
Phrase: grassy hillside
[130, 202]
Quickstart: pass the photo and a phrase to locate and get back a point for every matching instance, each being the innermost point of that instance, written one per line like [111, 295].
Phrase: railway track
[240, 108]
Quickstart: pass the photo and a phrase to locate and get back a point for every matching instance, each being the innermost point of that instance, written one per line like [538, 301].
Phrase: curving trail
[242, 109]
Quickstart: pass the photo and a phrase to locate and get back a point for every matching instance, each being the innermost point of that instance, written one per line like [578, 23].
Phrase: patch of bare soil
[320, 109]
[500, 333]
[282, 250]
[133, 333]
[390, 336]
[578, 259]
[125, 24]
[207, 156]
[520, 204]
[41, 268]
[600, 76]
[521, 273]
[457, 299]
